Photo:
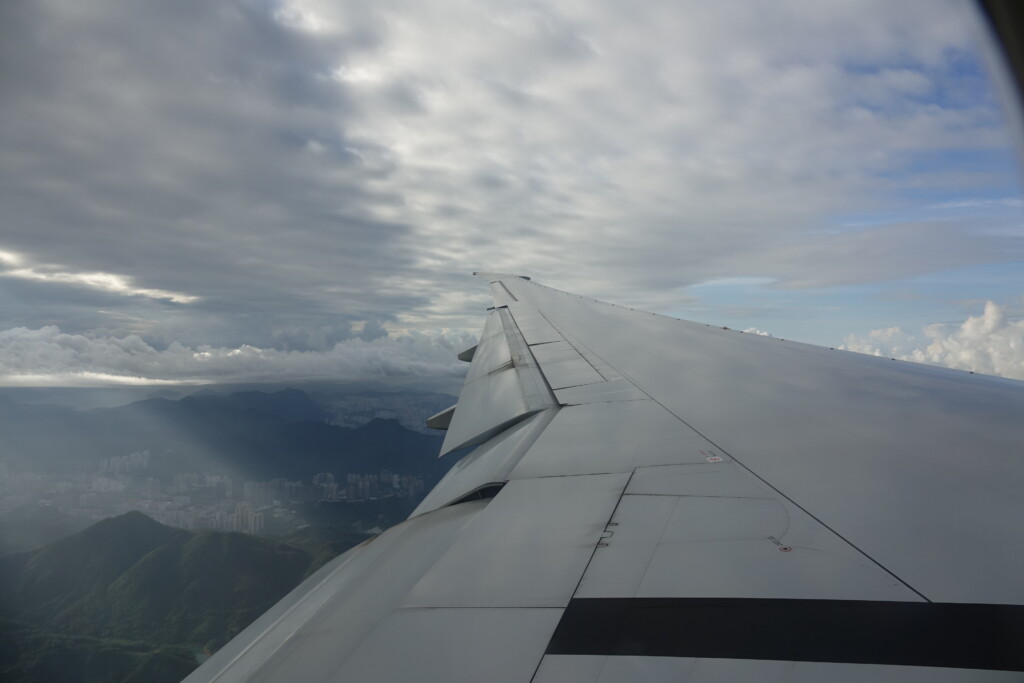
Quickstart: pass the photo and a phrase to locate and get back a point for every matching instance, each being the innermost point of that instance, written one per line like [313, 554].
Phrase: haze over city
[256, 190]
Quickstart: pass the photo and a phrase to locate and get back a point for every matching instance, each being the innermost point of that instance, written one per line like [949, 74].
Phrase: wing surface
[653, 499]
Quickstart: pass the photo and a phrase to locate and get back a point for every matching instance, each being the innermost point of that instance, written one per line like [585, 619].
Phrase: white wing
[655, 499]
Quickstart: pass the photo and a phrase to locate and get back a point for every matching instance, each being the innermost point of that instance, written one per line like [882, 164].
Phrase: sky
[256, 190]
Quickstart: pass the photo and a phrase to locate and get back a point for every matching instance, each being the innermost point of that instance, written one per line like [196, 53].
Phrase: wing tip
[499, 276]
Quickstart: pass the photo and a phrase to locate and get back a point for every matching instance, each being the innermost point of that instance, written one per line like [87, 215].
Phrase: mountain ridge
[129, 579]
[283, 434]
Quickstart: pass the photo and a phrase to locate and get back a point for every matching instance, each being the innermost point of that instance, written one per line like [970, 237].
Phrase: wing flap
[488, 463]
[555, 523]
[441, 420]
[444, 645]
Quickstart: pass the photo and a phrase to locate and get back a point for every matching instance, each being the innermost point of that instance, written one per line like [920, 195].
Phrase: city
[199, 501]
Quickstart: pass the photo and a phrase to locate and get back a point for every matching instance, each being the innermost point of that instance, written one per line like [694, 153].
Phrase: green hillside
[130, 599]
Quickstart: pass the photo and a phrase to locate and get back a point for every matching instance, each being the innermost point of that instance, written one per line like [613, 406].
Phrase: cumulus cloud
[49, 356]
[373, 329]
[988, 343]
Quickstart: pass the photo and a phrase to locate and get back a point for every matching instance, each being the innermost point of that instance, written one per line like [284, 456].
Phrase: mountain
[42, 584]
[129, 599]
[145, 594]
[291, 405]
[251, 434]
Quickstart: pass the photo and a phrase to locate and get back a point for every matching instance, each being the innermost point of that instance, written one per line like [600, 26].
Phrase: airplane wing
[650, 499]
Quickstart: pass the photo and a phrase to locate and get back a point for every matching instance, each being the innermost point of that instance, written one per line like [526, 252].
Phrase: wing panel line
[597, 546]
[783, 495]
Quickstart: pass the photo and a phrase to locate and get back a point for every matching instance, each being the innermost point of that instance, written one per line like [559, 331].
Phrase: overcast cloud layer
[258, 189]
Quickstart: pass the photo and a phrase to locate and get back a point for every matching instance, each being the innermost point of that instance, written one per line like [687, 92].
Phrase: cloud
[105, 282]
[884, 253]
[87, 379]
[48, 356]
[287, 171]
[987, 343]
[736, 282]
[980, 202]
[373, 329]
